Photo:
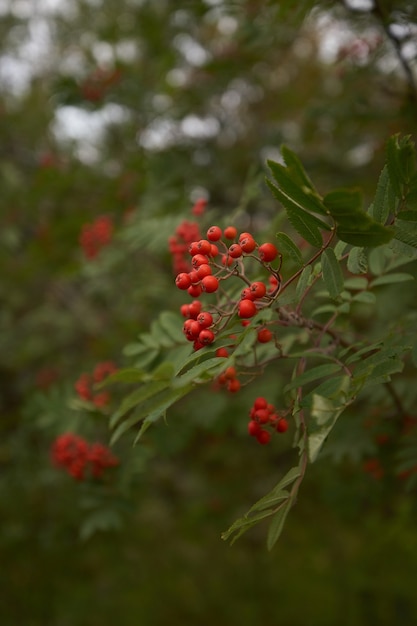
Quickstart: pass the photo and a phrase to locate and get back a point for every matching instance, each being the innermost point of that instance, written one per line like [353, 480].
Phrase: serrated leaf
[311, 375]
[324, 414]
[400, 161]
[269, 501]
[137, 397]
[357, 261]
[296, 169]
[277, 525]
[383, 202]
[289, 249]
[354, 226]
[302, 196]
[332, 273]
[303, 282]
[155, 406]
[405, 234]
[213, 366]
[357, 283]
[306, 224]
[243, 524]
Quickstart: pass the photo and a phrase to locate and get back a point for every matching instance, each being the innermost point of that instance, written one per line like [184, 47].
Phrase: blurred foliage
[133, 110]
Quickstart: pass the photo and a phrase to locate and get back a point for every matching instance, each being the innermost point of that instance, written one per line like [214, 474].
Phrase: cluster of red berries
[229, 379]
[206, 271]
[264, 420]
[84, 386]
[79, 458]
[95, 236]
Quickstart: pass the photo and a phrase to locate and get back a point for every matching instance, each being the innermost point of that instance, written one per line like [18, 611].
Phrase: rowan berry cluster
[84, 386]
[214, 259]
[229, 380]
[81, 459]
[96, 236]
[264, 420]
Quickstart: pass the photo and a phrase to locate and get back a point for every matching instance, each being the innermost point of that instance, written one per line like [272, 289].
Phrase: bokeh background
[134, 109]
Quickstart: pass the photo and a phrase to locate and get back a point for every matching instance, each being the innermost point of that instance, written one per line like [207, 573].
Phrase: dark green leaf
[137, 397]
[303, 282]
[332, 273]
[277, 525]
[384, 201]
[301, 195]
[321, 371]
[289, 250]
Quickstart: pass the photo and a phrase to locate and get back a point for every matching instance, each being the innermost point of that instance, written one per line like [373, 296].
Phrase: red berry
[209, 284]
[282, 425]
[246, 308]
[183, 281]
[214, 250]
[235, 251]
[248, 244]
[205, 319]
[185, 310]
[193, 249]
[258, 290]
[191, 329]
[262, 416]
[233, 385]
[203, 270]
[227, 260]
[195, 290]
[267, 252]
[206, 336]
[260, 403]
[222, 352]
[253, 428]
[246, 294]
[214, 233]
[230, 373]
[199, 259]
[204, 246]
[230, 232]
[263, 437]
[264, 335]
[194, 277]
[194, 309]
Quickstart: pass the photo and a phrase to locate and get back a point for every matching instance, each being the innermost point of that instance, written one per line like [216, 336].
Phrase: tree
[206, 102]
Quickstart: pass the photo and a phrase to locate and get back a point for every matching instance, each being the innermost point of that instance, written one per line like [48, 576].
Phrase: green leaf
[125, 375]
[393, 278]
[356, 283]
[306, 224]
[354, 226]
[277, 525]
[321, 371]
[332, 273]
[153, 408]
[192, 375]
[303, 282]
[357, 261]
[172, 325]
[384, 201]
[405, 233]
[137, 397]
[303, 196]
[324, 414]
[296, 169]
[366, 297]
[400, 161]
[289, 249]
